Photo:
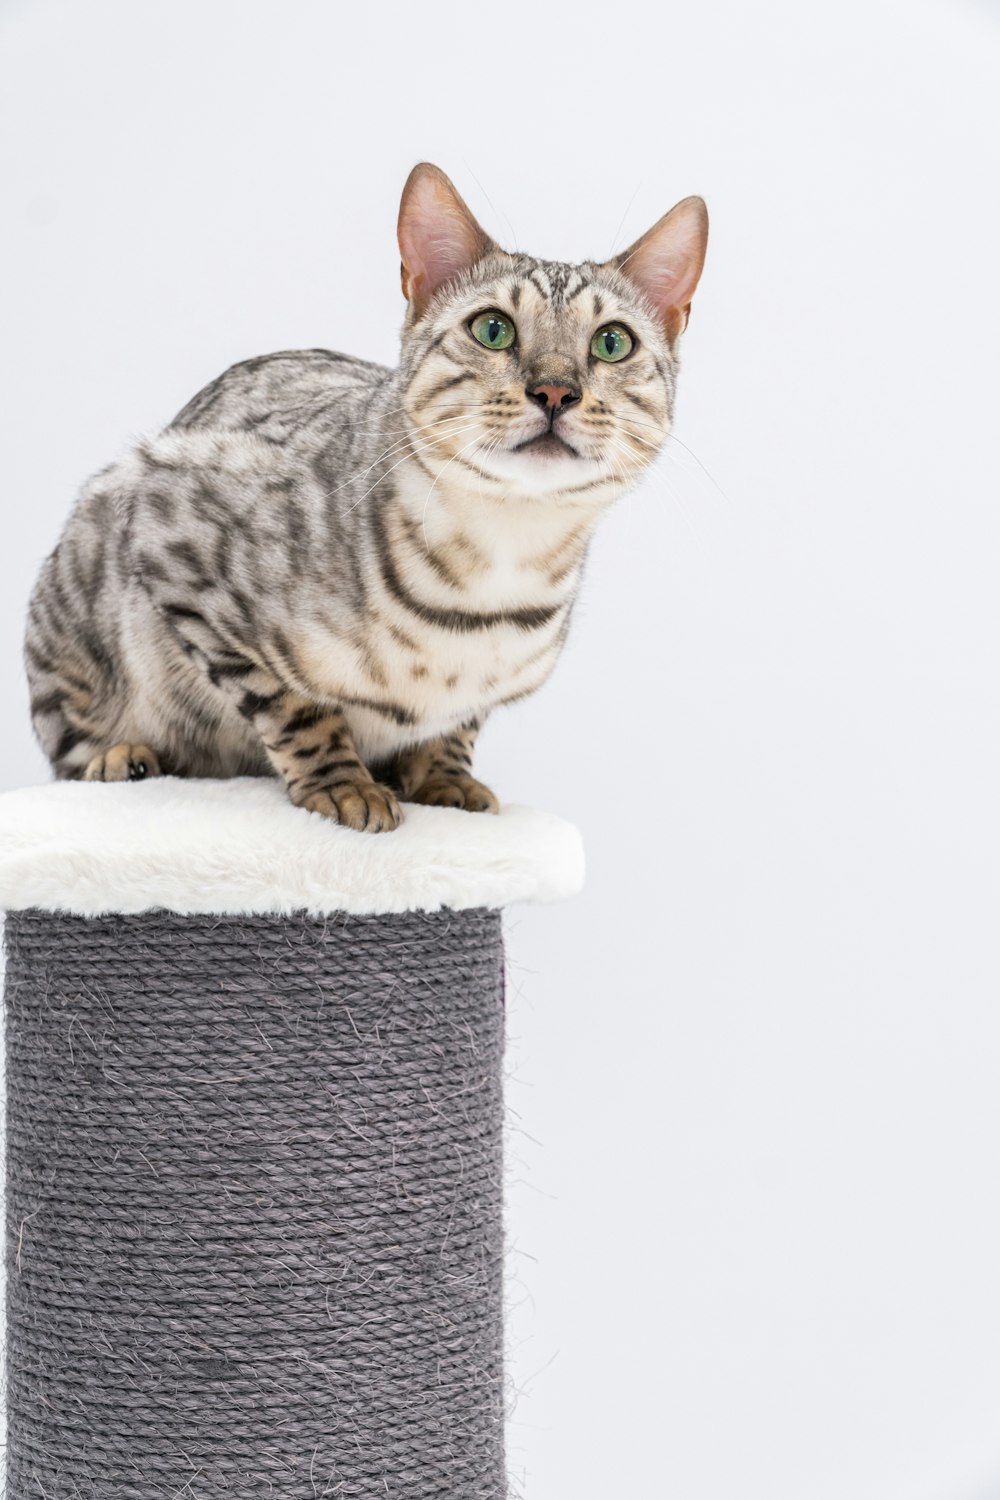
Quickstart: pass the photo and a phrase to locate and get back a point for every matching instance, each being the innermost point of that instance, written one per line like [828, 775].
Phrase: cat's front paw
[367, 806]
[443, 790]
[123, 763]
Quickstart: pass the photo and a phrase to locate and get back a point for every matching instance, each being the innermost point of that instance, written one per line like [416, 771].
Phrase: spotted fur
[332, 571]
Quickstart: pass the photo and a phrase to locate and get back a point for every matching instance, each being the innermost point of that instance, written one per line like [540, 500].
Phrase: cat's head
[550, 376]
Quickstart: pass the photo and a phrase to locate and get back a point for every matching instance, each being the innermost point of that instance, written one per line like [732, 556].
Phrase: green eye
[611, 342]
[493, 330]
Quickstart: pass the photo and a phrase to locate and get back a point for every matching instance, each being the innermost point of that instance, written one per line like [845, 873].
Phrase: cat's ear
[667, 261]
[438, 236]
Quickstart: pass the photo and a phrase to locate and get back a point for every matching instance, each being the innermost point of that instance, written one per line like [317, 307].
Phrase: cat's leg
[439, 773]
[312, 750]
[308, 745]
[81, 690]
[123, 763]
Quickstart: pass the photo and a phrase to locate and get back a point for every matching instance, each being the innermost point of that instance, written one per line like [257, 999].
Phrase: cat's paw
[124, 763]
[367, 806]
[442, 790]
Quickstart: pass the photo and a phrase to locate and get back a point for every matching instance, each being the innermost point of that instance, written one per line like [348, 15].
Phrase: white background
[755, 1197]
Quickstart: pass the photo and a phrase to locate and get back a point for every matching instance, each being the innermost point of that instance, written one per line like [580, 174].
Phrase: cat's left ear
[439, 237]
[667, 261]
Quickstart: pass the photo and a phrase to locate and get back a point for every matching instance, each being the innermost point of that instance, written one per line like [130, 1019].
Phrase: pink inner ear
[438, 236]
[442, 247]
[667, 261]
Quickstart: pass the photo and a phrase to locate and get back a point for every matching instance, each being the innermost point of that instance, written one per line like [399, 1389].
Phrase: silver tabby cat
[333, 571]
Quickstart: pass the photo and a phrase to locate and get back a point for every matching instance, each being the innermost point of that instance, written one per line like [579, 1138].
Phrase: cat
[333, 571]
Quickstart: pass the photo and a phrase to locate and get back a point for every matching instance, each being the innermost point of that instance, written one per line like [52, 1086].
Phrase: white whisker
[621, 222]
[392, 448]
[411, 453]
[427, 498]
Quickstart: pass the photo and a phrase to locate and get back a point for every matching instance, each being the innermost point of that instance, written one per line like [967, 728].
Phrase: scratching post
[254, 1198]
[254, 1143]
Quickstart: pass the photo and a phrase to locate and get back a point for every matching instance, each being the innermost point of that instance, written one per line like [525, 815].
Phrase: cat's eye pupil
[611, 343]
[493, 330]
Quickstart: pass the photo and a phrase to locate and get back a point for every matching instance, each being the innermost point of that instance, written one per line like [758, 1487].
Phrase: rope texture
[254, 1226]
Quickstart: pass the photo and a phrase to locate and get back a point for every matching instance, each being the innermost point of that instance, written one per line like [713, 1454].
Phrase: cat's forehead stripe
[556, 282]
[558, 298]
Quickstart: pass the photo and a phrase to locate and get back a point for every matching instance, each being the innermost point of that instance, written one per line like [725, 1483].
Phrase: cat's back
[277, 396]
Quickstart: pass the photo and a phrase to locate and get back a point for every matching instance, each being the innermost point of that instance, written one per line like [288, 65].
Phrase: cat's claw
[124, 763]
[456, 791]
[367, 806]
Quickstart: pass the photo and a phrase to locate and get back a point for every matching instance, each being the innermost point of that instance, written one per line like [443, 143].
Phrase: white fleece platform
[240, 846]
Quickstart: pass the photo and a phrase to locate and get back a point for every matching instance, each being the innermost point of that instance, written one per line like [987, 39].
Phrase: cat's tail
[75, 674]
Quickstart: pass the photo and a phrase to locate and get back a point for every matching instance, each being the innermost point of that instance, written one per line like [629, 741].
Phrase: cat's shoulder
[261, 388]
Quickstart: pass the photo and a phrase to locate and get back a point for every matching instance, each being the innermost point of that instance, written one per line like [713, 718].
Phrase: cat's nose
[553, 397]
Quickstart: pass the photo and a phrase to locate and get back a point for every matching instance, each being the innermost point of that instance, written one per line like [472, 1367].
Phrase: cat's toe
[124, 763]
[456, 791]
[367, 806]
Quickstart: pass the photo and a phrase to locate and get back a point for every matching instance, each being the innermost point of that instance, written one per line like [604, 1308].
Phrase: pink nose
[553, 397]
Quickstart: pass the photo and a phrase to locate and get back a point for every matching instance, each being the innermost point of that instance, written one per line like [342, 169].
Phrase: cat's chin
[545, 465]
[546, 445]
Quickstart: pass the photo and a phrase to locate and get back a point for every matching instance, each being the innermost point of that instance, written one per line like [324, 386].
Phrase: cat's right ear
[438, 236]
[666, 263]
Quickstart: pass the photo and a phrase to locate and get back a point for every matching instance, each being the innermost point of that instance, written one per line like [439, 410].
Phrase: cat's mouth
[547, 445]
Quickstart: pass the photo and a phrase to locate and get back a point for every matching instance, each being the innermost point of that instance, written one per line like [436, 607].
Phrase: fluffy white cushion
[240, 846]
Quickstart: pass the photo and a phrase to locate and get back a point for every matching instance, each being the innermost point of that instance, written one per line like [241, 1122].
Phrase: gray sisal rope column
[254, 1178]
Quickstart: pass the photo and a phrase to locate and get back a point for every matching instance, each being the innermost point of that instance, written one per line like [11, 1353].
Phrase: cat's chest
[427, 672]
[459, 615]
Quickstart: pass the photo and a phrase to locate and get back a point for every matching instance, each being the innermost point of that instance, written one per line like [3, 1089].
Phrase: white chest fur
[411, 681]
[467, 609]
